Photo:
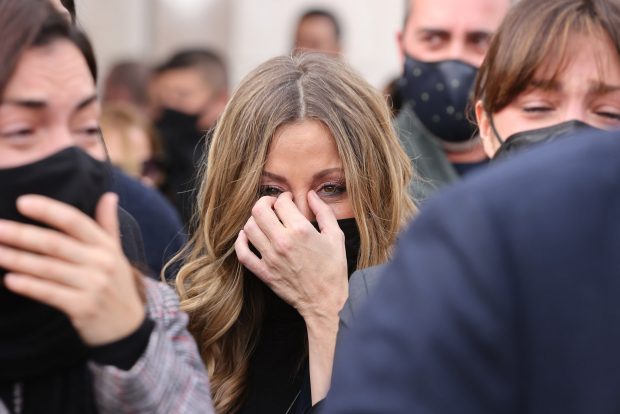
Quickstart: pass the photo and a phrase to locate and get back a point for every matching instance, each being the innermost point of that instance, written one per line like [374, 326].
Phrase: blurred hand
[304, 267]
[77, 266]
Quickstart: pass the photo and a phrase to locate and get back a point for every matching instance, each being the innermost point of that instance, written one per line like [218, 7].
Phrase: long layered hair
[224, 304]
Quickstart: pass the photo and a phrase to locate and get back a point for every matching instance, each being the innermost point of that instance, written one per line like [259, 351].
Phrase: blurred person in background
[132, 143]
[190, 90]
[555, 72]
[128, 82]
[442, 44]
[82, 331]
[306, 181]
[145, 212]
[318, 30]
[129, 141]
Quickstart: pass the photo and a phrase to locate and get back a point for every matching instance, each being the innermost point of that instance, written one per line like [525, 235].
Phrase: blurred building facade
[245, 32]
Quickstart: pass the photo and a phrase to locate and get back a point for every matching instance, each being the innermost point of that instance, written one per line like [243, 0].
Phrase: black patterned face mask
[438, 93]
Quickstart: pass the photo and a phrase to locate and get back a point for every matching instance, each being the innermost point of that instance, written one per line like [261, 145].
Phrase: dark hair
[132, 76]
[535, 34]
[326, 15]
[70, 6]
[208, 62]
[30, 23]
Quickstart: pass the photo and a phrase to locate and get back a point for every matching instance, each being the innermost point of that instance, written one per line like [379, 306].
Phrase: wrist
[319, 324]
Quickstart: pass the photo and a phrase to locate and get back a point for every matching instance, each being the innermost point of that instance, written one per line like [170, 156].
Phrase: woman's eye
[269, 191]
[90, 131]
[609, 115]
[332, 189]
[18, 133]
[537, 109]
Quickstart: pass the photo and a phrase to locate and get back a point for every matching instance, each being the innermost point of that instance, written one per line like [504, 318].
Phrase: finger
[256, 236]
[57, 271]
[57, 296]
[61, 216]
[266, 218]
[328, 224]
[43, 241]
[107, 216]
[249, 259]
[288, 212]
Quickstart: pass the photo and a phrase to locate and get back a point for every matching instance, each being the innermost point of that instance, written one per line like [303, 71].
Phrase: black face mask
[37, 339]
[525, 139]
[438, 93]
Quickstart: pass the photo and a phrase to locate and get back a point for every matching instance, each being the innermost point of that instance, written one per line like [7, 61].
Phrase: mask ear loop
[497, 136]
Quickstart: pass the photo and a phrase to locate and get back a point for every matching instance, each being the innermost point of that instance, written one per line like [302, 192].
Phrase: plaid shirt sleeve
[168, 378]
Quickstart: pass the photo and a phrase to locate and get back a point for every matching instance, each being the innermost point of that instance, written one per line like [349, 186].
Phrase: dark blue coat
[160, 224]
[503, 297]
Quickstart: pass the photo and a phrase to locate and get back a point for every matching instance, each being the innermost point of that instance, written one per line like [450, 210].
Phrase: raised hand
[77, 266]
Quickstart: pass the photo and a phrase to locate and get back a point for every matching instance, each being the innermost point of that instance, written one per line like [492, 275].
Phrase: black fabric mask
[525, 139]
[438, 92]
[184, 147]
[351, 242]
[36, 339]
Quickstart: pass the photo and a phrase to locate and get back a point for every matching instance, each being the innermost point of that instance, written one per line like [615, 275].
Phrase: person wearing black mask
[306, 183]
[189, 92]
[442, 44]
[553, 69]
[82, 331]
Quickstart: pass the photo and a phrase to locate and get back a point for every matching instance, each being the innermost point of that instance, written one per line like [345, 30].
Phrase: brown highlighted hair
[536, 34]
[224, 304]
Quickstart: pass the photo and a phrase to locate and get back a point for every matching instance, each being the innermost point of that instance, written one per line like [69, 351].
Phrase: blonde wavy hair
[224, 303]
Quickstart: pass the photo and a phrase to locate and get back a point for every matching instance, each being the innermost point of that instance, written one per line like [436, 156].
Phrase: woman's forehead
[54, 72]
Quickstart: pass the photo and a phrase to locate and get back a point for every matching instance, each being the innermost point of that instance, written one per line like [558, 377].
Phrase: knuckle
[282, 245]
[258, 207]
[300, 229]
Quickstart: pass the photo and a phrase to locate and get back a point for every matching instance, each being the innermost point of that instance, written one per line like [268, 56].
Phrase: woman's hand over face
[305, 267]
[77, 266]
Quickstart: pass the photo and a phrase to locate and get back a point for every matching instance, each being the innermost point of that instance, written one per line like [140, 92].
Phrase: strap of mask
[497, 136]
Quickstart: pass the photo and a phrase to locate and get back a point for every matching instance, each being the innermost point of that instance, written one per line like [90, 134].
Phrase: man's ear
[489, 141]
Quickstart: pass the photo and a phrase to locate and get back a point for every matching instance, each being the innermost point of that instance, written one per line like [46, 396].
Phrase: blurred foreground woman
[82, 332]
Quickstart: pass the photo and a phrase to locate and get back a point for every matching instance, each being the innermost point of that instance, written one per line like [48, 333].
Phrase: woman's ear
[489, 142]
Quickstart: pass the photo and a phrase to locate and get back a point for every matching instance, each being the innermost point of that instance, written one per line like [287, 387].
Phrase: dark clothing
[159, 223]
[184, 145]
[466, 168]
[279, 366]
[502, 297]
[431, 165]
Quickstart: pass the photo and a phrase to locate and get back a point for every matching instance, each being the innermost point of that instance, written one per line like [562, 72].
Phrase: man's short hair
[208, 62]
[324, 14]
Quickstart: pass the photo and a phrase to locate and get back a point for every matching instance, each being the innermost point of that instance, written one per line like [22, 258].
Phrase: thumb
[107, 215]
[324, 215]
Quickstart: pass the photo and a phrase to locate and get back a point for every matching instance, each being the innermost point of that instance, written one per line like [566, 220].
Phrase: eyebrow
[41, 104]
[317, 176]
[445, 32]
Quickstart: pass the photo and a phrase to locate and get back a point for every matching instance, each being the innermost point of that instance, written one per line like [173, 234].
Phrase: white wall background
[245, 32]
